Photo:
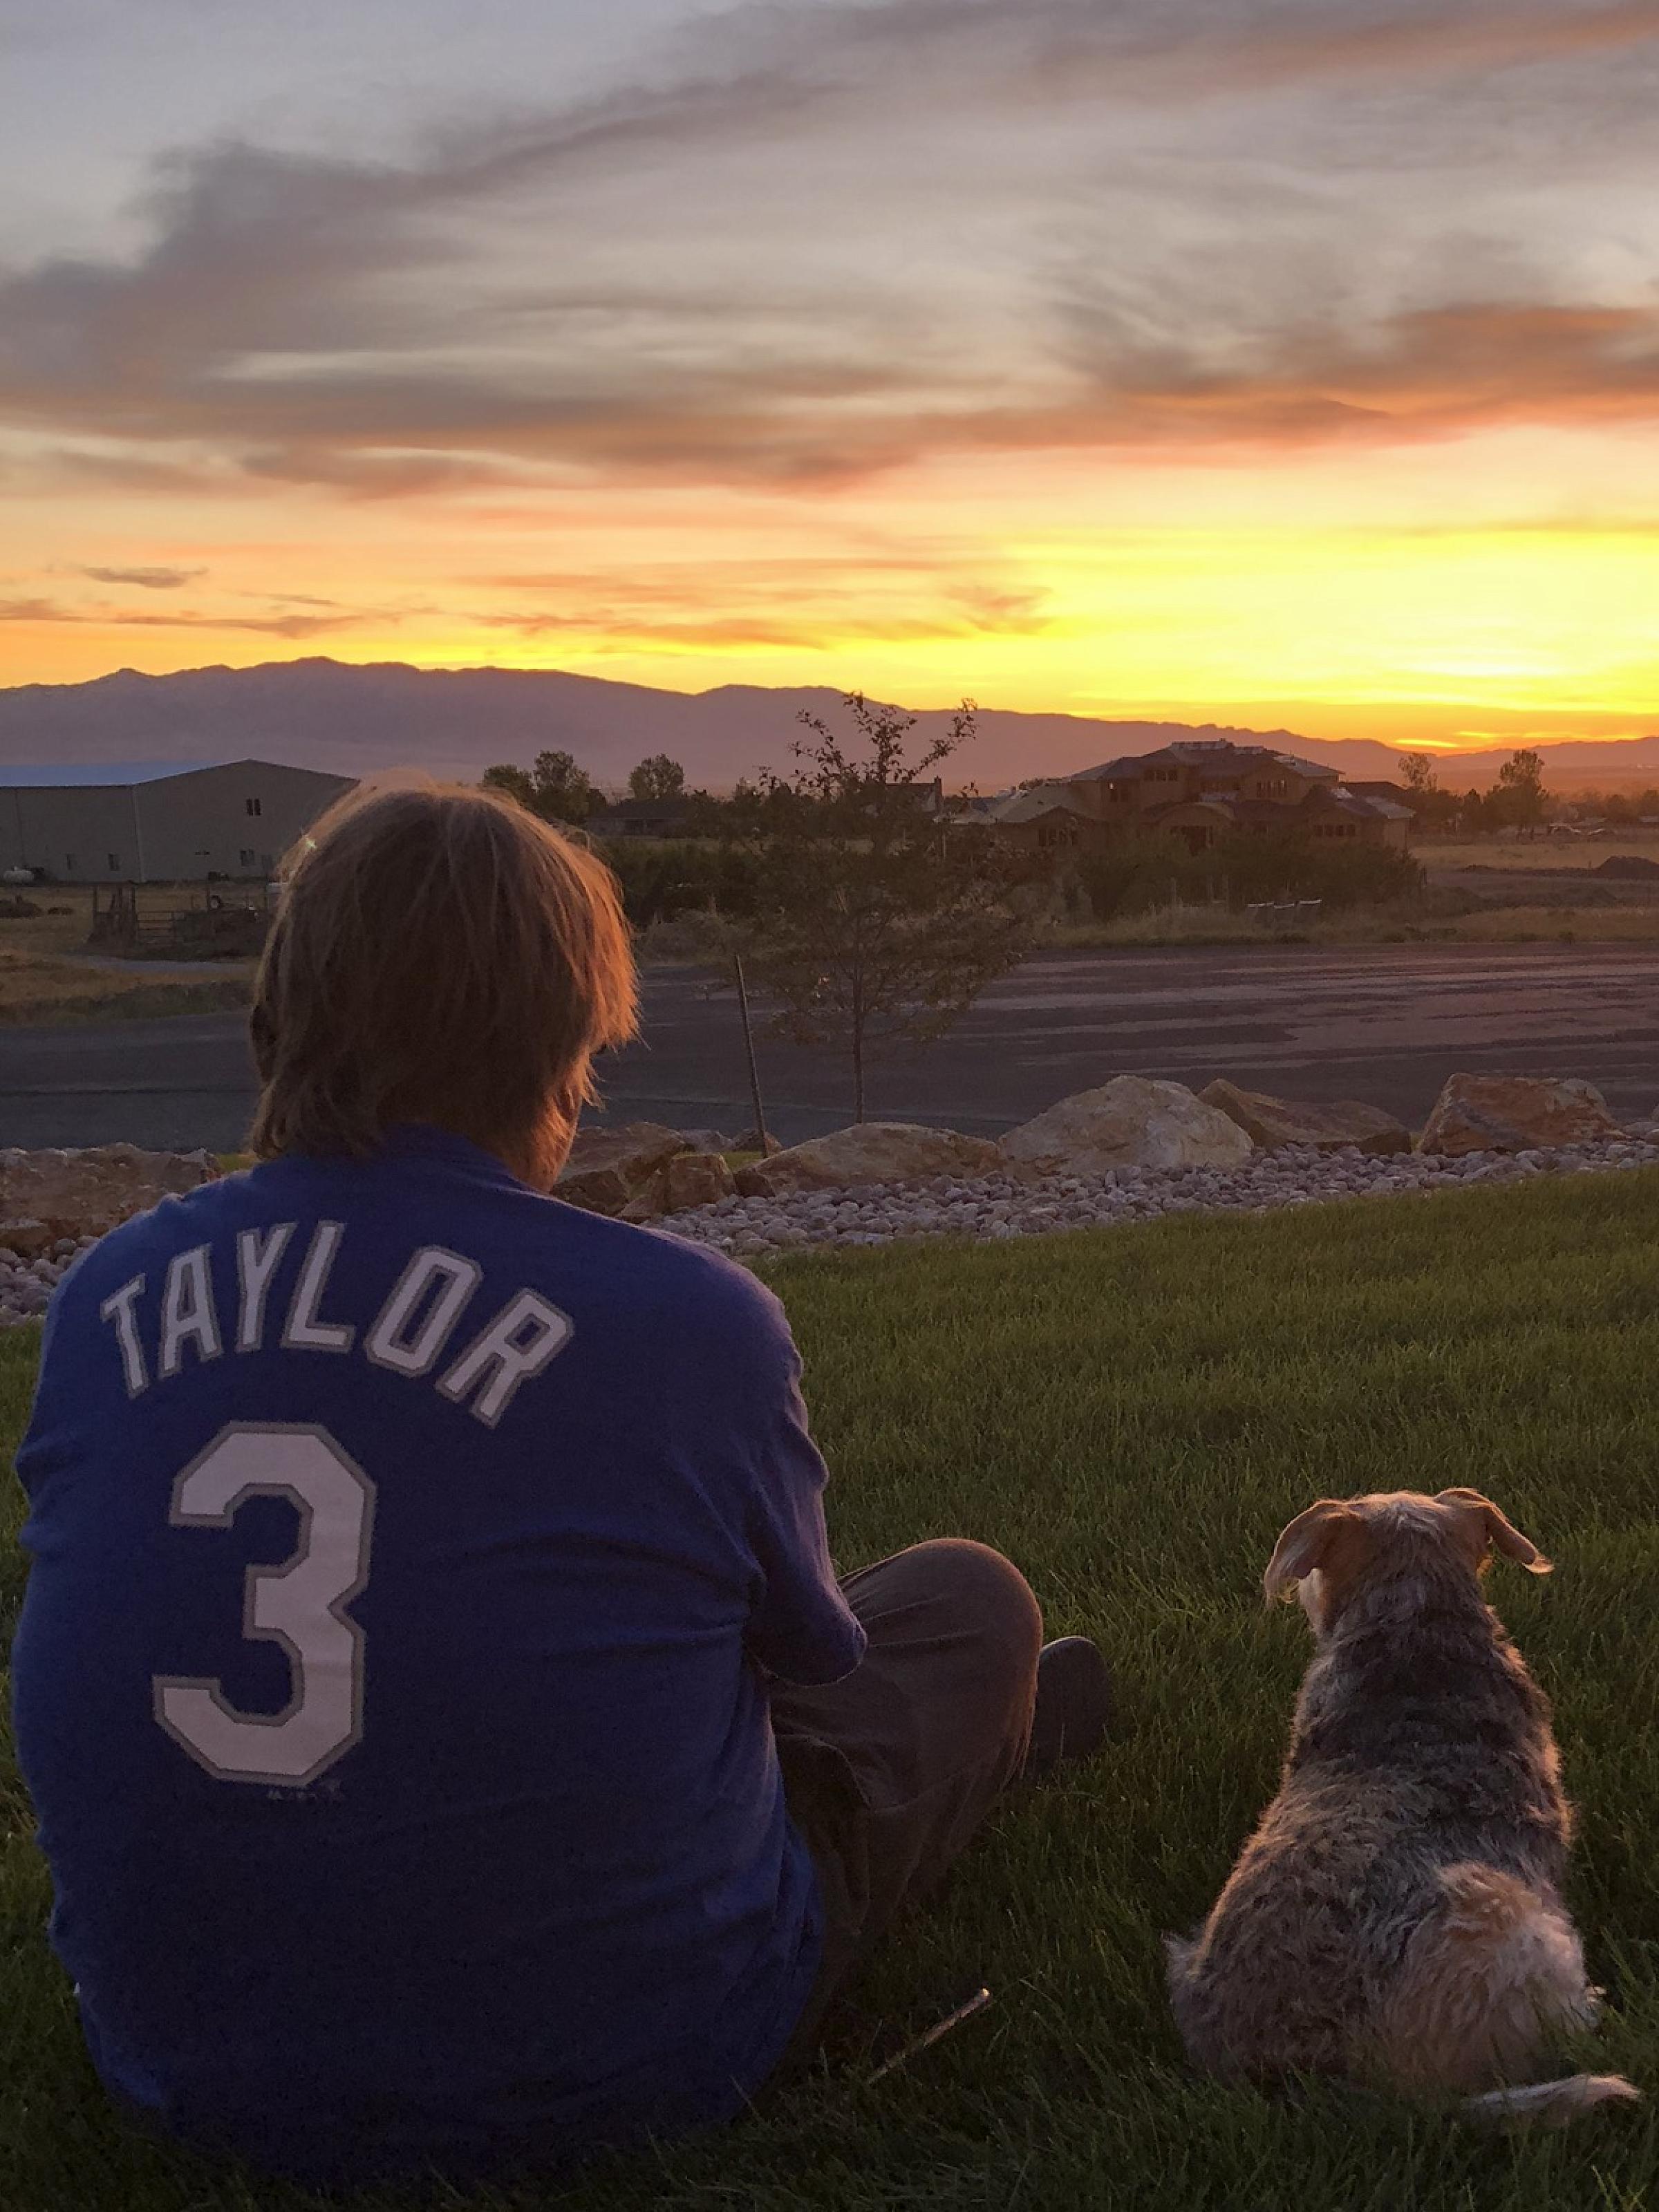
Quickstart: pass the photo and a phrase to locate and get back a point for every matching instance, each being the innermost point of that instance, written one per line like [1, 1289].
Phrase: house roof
[1031, 805]
[1041, 800]
[1379, 788]
[1204, 752]
[1345, 801]
[1234, 807]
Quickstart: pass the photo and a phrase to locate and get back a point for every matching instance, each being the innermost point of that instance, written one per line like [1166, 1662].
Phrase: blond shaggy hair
[439, 955]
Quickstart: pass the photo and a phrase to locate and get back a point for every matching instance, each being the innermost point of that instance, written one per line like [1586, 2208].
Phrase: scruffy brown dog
[1396, 1916]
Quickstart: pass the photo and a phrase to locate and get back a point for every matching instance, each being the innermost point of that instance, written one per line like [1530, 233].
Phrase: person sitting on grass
[451, 1746]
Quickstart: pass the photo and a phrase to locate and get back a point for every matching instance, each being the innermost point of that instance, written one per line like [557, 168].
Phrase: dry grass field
[66, 922]
[48, 974]
[45, 987]
[1527, 925]
[1493, 925]
[1534, 853]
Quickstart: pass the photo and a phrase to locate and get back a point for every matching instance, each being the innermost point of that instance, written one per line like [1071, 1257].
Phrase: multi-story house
[1200, 791]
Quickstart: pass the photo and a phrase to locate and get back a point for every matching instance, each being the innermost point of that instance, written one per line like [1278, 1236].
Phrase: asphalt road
[1386, 1025]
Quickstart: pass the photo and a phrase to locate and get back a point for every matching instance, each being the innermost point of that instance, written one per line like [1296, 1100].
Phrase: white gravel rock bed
[26, 1285]
[996, 1206]
[1000, 1206]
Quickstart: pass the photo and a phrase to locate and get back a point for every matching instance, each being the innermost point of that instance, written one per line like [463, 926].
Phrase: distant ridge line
[357, 717]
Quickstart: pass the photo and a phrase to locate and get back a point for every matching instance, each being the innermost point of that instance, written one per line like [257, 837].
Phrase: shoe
[1074, 1705]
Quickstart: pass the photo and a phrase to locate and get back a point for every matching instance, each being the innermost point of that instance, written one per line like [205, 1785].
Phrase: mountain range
[355, 719]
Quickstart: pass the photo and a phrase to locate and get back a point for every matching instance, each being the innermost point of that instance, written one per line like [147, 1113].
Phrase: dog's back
[1396, 1915]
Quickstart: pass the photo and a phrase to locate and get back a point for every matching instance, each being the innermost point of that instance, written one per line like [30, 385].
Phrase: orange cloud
[51, 612]
[150, 578]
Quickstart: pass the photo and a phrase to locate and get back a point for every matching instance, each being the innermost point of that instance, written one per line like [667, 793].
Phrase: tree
[878, 923]
[507, 776]
[564, 793]
[1435, 808]
[657, 777]
[1520, 793]
[554, 786]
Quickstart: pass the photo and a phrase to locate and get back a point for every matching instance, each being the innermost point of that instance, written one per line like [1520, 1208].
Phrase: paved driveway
[1386, 1025]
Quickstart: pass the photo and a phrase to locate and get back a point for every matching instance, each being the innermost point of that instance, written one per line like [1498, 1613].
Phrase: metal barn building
[161, 822]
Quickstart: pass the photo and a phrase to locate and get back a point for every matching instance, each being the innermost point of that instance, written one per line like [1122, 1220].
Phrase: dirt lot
[49, 974]
[1534, 853]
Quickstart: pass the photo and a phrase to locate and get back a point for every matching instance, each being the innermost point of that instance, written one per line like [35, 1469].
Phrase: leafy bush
[662, 878]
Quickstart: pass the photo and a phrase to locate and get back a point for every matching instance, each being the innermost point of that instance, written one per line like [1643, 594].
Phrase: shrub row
[665, 878]
[1146, 873]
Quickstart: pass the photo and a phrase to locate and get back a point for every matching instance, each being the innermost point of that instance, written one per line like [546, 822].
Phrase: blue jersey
[410, 1554]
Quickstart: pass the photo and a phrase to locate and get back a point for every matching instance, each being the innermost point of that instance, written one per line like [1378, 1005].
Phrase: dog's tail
[1549, 2104]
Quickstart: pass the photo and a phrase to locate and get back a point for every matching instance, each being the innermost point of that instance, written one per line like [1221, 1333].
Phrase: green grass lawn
[1133, 1415]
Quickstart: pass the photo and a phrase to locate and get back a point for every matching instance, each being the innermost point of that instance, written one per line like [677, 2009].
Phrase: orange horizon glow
[1315, 592]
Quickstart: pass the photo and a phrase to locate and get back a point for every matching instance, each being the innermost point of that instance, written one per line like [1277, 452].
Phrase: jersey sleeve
[801, 1628]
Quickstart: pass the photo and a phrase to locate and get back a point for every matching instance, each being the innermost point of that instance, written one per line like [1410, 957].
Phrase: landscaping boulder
[1516, 1113]
[1132, 1121]
[870, 1152]
[1272, 1123]
[609, 1169]
[25, 1240]
[695, 1179]
[685, 1180]
[710, 1140]
[649, 1198]
[752, 1141]
[84, 1192]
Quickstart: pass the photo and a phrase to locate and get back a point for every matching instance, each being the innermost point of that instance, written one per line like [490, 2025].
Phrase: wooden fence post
[749, 1047]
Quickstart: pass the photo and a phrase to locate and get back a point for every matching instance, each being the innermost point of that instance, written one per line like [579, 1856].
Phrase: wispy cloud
[32, 611]
[1168, 224]
[155, 579]
[35, 611]
[890, 594]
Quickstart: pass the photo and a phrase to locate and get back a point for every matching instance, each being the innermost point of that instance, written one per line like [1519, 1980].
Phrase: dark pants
[888, 1772]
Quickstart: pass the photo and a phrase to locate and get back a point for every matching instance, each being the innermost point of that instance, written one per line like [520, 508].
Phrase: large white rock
[696, 1179]
[25, 1240]
[608, 1169]
[1274, 1123]
[1515, 1113]
[870, 1151]
[1133, 1122]
[82, 1192]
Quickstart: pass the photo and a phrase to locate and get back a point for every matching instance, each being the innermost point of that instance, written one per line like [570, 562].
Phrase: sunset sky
[1269, 361]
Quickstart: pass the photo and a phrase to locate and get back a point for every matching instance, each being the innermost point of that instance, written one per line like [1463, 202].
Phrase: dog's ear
[1308, 1545]
[1486, 1528]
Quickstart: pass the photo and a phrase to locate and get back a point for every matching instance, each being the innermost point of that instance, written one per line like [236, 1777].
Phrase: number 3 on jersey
[299, 1604]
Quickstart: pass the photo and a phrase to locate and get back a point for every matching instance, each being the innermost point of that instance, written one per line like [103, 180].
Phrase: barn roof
[120, 775]
[125, 775]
